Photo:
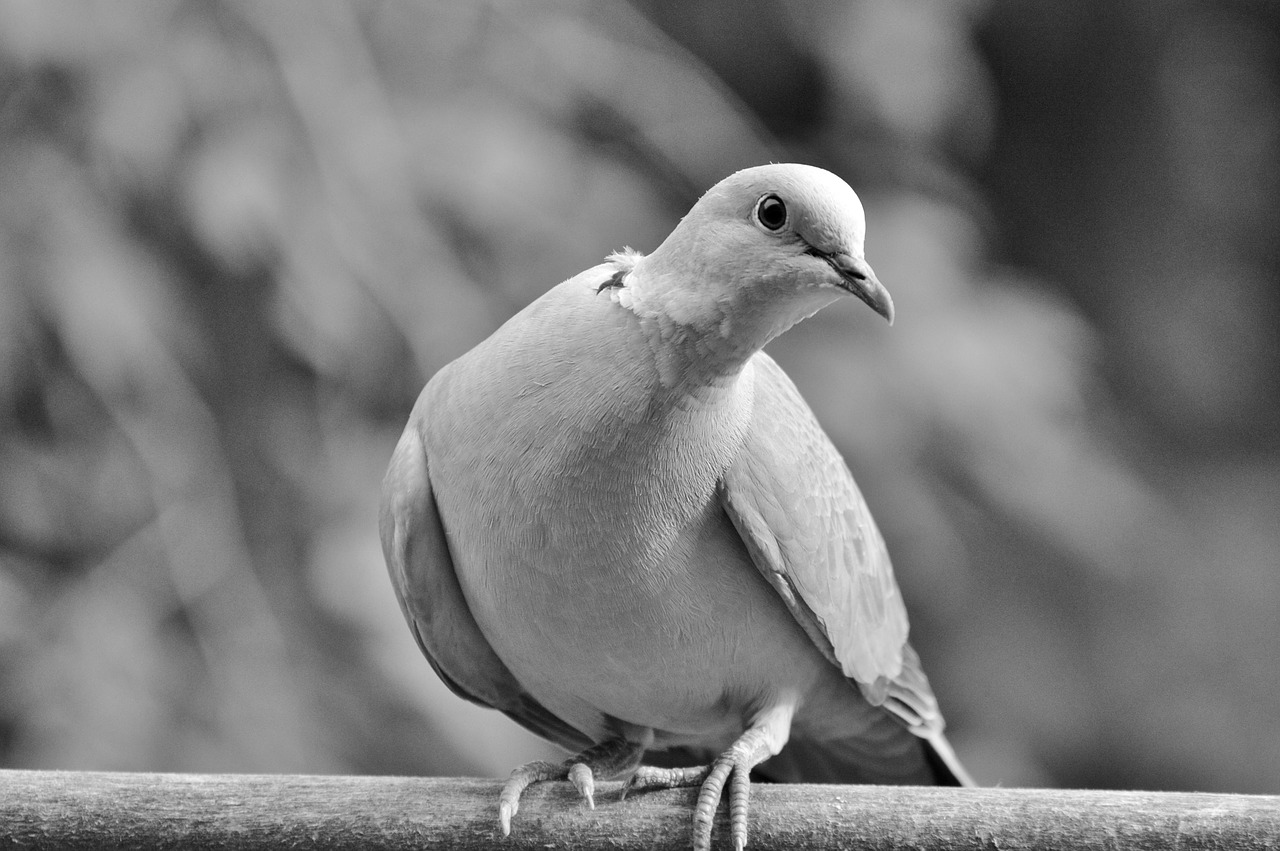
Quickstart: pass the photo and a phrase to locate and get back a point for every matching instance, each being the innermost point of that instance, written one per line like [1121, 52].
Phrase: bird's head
[761, 250]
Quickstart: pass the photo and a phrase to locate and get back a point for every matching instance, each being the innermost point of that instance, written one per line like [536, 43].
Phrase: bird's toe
[583, 780]
[733, 766]
[648, 777]
[607, 759]
[704, 812]
[521, 777]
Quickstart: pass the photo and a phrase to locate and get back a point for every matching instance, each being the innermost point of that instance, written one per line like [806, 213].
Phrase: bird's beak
[856, 277]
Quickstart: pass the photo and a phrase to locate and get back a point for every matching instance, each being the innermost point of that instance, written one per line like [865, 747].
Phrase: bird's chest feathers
[635, 473]
[623, 471]
[602, 524]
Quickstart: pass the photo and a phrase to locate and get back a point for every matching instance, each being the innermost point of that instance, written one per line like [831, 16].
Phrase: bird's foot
[648, 777]
[608, 759]
[734, 766]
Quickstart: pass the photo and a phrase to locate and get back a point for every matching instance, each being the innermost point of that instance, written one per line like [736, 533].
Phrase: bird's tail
[942, 759]
[905, 759]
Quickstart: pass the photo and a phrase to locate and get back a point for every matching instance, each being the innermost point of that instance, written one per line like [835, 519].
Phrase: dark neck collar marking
[614, 282]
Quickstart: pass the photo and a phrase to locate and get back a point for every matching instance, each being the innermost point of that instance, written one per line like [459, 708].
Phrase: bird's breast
[588, 538]
[574, 450]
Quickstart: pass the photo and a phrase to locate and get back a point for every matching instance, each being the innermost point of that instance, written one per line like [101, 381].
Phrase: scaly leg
[764, 739]
[607, 759]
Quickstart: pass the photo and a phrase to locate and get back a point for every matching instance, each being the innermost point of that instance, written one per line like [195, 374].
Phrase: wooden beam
[72, 810]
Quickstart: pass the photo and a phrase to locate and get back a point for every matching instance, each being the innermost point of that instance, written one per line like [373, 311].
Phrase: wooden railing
[52, 809]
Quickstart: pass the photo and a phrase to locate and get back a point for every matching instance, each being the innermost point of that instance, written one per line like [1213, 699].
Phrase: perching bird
[616, 520]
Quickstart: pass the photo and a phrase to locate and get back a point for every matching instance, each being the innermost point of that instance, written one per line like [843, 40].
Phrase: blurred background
[236, 238]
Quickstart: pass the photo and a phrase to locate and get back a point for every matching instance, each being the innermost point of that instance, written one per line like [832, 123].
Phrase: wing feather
[811, 535]
[422, 572]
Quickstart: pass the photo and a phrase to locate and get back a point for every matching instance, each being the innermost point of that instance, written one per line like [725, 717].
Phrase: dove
[616, 521]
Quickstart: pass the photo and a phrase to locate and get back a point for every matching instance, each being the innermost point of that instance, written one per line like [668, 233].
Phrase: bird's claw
[507, 809]
[579, 773]
[736, 768]
[582, 779]
[531, 772]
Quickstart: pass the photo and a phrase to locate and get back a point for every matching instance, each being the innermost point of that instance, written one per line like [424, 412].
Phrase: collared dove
[617, 521]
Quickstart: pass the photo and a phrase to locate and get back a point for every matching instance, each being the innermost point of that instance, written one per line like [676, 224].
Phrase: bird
[617, 521]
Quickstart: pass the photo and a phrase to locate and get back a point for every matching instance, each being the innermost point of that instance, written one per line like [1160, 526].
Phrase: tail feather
[907, 760]
[947, 770]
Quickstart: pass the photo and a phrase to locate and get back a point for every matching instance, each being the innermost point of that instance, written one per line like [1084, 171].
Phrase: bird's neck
[702, 333]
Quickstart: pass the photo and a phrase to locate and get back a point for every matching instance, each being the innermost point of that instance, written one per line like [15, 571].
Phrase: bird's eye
[771, 213]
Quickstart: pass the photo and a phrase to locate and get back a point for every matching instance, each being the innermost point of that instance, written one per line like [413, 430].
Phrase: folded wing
[422, 572]
[811, 535]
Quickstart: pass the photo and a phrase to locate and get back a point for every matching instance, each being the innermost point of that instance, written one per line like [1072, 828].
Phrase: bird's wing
[422, 573]
[810, 533]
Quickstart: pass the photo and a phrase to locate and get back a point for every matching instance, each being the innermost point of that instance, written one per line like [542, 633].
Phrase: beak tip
[888, 311]
[858, 278]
